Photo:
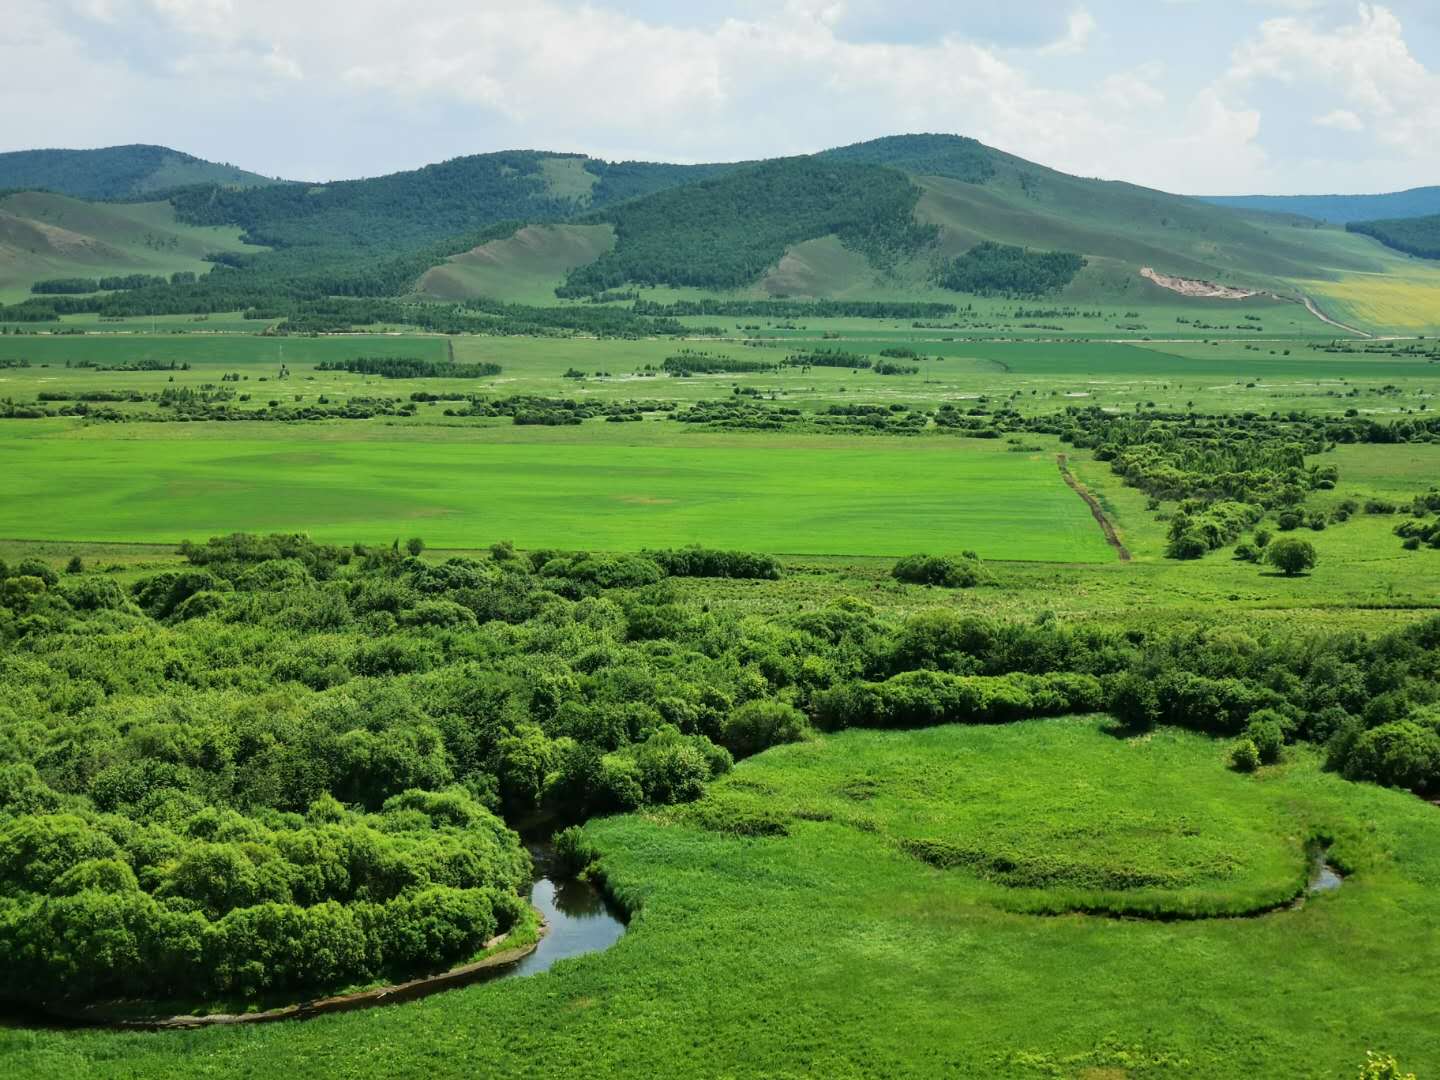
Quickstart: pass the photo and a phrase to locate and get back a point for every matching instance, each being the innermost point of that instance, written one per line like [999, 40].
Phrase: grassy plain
[599, 488]
[833, 951]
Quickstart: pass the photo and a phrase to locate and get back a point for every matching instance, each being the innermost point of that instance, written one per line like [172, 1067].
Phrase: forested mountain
[726, 231]
[117, 172]
[1340, 209]
[1414, 236]
[896, 217]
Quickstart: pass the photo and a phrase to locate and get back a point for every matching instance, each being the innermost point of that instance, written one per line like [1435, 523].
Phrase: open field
[745, 954]
[1033, 377]
[595, 489]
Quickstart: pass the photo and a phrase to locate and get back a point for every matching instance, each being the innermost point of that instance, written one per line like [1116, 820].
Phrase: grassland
[832, 951]
[597, 488]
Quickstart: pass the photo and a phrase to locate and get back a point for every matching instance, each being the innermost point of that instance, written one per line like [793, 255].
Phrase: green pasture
[591, 487]
[1032, 377]
[831, 950]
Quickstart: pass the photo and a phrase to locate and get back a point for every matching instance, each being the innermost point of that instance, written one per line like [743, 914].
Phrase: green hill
[893, 217]
[116, 172]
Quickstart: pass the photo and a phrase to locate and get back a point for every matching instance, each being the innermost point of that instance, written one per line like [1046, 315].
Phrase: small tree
[76, 565]
[1244, 757]
[415, 545]
[1291, 555]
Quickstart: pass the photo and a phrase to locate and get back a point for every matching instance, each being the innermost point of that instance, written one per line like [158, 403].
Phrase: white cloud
[293, 87]
[1341, 120]
[1365, 67]
[1078, 29]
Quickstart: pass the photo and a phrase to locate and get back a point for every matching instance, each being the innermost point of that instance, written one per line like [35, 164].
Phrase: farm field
[748, 950]
[595, 489]
[1037, 377]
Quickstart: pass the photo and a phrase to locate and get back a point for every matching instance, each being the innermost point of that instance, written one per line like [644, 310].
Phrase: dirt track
[1111, 537]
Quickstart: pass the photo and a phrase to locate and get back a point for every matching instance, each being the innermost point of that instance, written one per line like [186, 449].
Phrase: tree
[1291, 555]
[415, 545]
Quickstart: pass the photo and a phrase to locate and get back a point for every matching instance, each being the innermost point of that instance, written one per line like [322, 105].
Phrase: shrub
[1266, 732]
[940, 570]
[574, 852]
[1401, 754]
[1244, 756]
[760, 724]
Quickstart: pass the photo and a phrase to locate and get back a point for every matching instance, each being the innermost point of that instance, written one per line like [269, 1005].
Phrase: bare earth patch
[1193, 287]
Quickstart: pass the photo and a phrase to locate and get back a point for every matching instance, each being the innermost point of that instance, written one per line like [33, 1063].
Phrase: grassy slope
[523, 269]
[46, 236]
[831, 952]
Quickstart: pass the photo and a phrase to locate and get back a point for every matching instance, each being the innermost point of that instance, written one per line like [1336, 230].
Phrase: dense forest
[725, 232]
[1414, 236]
[285, 766]
[954, 156]
[990, 269]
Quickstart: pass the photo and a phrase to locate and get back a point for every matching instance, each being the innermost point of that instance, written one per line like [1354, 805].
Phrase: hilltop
[117, 172]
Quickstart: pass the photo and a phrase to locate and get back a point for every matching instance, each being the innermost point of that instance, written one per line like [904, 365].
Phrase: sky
[1192, 96]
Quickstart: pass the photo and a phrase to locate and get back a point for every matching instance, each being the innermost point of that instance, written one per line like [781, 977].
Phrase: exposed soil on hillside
[1193, 287]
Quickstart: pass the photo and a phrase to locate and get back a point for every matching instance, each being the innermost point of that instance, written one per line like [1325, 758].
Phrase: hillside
[764, 231]
[1339, 209]
[117, 172]
[43, 235]
[433, 203]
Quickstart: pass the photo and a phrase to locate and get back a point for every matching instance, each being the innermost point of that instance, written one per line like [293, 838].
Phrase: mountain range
[917, 216]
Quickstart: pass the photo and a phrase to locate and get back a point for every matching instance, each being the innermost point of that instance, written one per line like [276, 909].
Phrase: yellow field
[1406, 301]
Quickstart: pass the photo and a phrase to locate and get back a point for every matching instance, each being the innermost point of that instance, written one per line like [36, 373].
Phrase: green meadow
[829, 948]
[598, 488]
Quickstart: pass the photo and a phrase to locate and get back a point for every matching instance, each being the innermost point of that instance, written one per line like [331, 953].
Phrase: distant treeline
[409, 367]
[700, 363]
[80, 285]
[334, 314]
[797, 309]
[827, 358]
[1414, 236]
[991, 269]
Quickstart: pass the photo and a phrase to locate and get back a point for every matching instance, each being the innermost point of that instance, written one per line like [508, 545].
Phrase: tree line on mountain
[725, 232]
[991, 269]
[1418, 236]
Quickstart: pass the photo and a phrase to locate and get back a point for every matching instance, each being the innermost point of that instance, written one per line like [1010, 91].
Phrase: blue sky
[1202, 96]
